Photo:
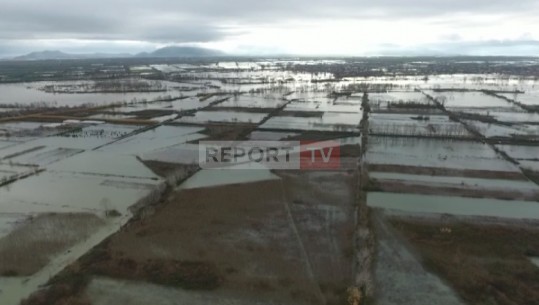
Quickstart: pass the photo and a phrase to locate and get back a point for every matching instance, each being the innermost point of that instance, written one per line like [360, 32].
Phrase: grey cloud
[286, 9]
[112, 24]
[188, 21]
[202, 20]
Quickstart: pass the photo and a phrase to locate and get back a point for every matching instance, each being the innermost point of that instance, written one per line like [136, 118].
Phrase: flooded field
[410, 125]
[435, 153]
[33, 95]
[102, 180]
[329, 121]
[455, 205]
[202, 117]
[454, 100]
[531, 98]
[456, 152]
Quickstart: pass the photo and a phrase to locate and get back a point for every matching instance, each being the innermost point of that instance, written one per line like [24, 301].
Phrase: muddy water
[436, 153]
[223, 116]
[400, 276]
[29, 93]
[9, 221]
[455, 205]
[457, 181]
[470, 99]
[270, 135]
[250, 101]
[330, 121]
[92, 181]
[13, 290]
[526, 98]
[70, 193]
[107, 291]
[218, 177]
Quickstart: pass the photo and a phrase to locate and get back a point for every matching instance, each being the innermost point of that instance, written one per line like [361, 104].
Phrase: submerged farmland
[100, 177]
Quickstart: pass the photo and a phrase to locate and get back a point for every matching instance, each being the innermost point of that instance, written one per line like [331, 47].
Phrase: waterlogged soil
[243, 230]
[234, 241]
[227, 132]
[325, 223]
[399, 274]
[282, 241]
[435, 171]
[107, 291]
[484, 263]
[471, 191]
[29, 247]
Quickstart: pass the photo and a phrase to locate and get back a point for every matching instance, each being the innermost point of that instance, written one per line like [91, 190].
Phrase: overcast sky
[247, 27]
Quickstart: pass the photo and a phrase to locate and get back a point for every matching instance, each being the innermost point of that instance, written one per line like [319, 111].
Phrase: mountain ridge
[165, 52]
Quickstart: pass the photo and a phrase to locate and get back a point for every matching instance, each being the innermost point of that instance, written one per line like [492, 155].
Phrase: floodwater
[270, 135]
[47, 150]
[28, 94]
[8, 222]
[176, 154]
[97, 167]
[4, 144]
[103, 164]
[13, 290]
[403, 124]
[76, 179]
[330, 121]
[202, 117]
[108, 116]
[12, 171]
[227, 176]
[183, 104]
[154, 139]
[520, 152]
[436, 153]
[525, 98]
[381, 100]
[454, 205]
[252, 101]
[11, 130]
[72, 192]
[532, 165]
[495, 130]
[476, 183]
[470, 100]
[517, 116]
[329, 105]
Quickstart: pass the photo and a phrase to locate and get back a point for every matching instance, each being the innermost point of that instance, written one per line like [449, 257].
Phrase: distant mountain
[58, 55]
[44, 55]
[172, 51]
[166, 52]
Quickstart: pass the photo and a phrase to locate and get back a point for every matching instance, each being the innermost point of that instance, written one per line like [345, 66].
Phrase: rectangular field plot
[436, 153]
[453, 100]
[203, 117]
[252, 101]
[338, 122]
[416, 125]
[454, 205]
[68, 192]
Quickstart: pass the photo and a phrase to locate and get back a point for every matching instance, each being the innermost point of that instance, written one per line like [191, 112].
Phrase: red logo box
[320, 155]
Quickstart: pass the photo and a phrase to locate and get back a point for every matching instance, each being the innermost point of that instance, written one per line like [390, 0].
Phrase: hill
[172, 51]
[166, 52]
